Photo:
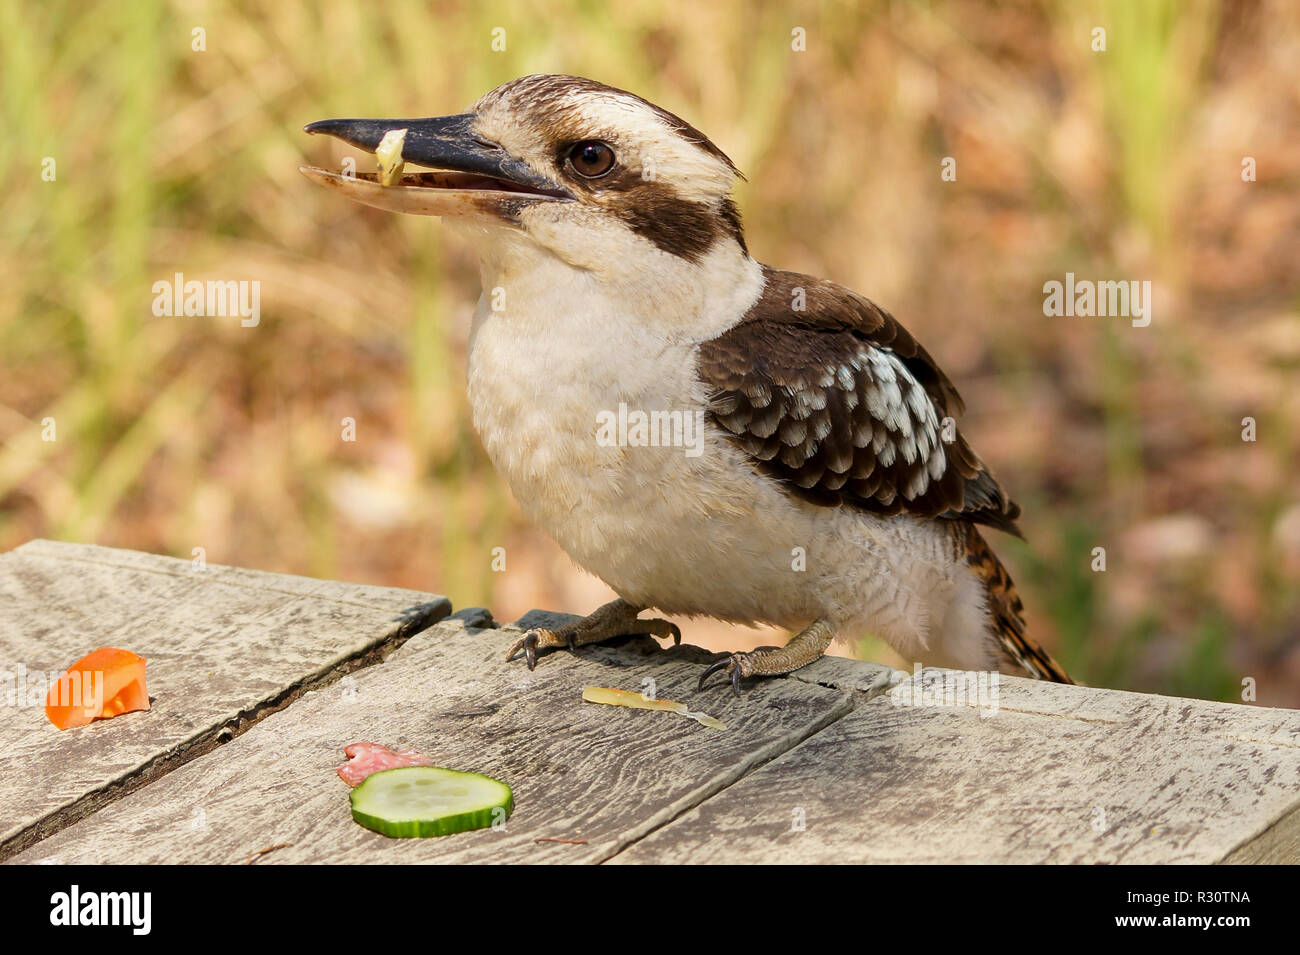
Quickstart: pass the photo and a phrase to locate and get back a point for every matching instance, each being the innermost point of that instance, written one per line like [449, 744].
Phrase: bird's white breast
[685, 533]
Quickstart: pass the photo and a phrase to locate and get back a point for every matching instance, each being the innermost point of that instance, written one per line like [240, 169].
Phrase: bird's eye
[591, 159]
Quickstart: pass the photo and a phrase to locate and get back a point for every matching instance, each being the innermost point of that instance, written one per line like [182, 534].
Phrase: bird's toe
[735, 665]
[528, 644]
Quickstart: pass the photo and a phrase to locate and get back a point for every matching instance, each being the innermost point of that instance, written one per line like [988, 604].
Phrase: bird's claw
[540, 639]
[736, 665]
[528, 644]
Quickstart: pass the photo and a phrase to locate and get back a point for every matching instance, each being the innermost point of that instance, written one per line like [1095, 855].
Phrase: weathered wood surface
[826, 766]
[601, 775]
[1279, 844]
[1054, 774]
[223, 646]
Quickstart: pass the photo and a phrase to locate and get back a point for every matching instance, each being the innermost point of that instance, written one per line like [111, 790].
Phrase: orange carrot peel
[102, 684]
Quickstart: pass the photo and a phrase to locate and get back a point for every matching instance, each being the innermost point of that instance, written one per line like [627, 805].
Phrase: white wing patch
[911, 427]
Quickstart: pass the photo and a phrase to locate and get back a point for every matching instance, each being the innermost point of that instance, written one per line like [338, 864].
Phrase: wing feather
[827, 392]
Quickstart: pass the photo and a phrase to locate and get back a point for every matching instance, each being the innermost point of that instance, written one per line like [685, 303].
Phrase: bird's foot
[615, 619]
[804, 647]
[736, 665]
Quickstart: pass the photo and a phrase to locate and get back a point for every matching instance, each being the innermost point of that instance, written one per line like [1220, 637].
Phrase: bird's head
[588, 173]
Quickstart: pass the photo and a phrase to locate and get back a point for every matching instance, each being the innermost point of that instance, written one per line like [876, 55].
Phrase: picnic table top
[259, 680]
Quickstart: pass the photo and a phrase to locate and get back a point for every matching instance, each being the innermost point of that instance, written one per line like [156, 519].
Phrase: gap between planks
[852, 699]
[158, 767]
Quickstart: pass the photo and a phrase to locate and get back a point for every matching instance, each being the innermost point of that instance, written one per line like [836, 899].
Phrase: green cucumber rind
[440, 826]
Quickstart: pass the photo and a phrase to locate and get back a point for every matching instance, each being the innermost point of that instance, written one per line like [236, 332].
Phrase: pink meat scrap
[366, 758]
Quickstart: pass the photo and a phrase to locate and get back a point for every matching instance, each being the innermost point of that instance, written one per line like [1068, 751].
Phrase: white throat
[553, 346]
[634, 295]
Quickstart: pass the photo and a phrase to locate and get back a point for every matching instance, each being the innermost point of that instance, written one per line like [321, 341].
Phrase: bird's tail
[1006, 614]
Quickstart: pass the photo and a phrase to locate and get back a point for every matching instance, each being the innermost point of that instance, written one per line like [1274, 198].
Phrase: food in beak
[389, 155]
[466, 176]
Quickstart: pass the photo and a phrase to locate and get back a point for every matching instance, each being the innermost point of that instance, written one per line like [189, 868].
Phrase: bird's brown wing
[831, 395]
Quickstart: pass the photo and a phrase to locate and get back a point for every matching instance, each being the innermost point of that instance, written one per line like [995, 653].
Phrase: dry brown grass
[179, 433]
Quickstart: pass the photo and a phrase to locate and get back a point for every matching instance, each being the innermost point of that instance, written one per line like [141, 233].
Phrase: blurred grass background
[177, 433]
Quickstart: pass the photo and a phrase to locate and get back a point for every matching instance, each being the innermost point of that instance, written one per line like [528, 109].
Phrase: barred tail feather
[1006, 614]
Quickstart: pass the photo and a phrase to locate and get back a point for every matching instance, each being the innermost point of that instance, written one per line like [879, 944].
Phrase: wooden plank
[601, 775]
[1055, 774]
[1279, 844]
[224, 647]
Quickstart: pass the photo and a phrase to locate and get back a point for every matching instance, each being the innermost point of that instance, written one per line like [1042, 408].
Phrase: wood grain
[595, 774]
[1057, 774]
[841, 762]
[224, 646]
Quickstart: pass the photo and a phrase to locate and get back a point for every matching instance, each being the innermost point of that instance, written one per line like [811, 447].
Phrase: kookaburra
[831, 494]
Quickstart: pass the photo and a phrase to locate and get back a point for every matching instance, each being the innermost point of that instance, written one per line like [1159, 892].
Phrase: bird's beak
[470, 177]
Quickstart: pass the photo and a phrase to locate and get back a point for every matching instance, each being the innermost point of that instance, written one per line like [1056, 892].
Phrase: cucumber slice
[429, 801]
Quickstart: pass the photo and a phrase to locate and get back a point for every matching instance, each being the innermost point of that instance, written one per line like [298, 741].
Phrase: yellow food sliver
[612, 697]
[602, 694]
[707, 720]
[389, 155]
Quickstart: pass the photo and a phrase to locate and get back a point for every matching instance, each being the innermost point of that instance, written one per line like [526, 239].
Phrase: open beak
[469, 177]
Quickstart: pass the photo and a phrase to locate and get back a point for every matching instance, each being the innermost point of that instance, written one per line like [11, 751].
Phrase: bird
[825, 487]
